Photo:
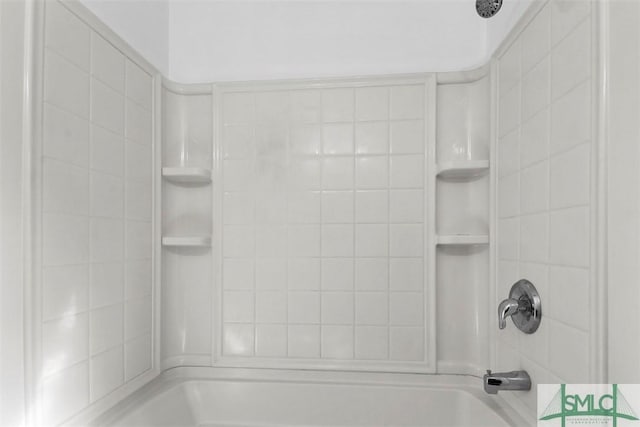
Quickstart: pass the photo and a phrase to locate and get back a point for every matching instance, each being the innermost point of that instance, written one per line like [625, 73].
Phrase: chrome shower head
[488, 8]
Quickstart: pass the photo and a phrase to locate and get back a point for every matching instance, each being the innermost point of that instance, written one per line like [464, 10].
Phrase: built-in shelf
[187, 175]
[463, 170]
[463, 239]
[191, 241]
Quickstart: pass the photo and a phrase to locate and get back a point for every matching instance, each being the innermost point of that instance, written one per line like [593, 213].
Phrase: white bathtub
[246, 397]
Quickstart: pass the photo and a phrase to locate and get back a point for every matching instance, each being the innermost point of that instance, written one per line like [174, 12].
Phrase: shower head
[488, 8]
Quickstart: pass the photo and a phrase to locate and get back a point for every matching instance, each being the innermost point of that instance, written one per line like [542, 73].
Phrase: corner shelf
[187, 241]
[463, 239]
[465, 170]
[187, 175]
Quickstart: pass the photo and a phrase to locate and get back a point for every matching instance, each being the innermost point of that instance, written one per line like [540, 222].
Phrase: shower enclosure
[312, 251]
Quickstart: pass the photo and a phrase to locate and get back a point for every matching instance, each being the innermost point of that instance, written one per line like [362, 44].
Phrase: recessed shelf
[463, 239]
[191, 241]
[187, 175]
[465, 170]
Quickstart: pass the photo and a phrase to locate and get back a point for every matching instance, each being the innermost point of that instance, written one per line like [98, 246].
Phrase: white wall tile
[407, 171]
[337, 342]
[304, 241]
[238, 339]
[271, 340]
[509, 151]
[372, 342]
[337, 138]
[138, 278]
[272, 107]
[65, 239]
[569, 237]
[238, 208]
[139, 85]
[535, 90]
[137, 317]
[407, 137]
[65, 136]
[337, 308]
[238, 307]
[372, 274]
[303, 274]
[239, 141]
[509, 68]
[271, 274]
[139, 123]
[138, 200]
[270, 241]
[66, 85]
[107, 151]
[271, 307]
[372, 240]
[238, 273]
[406, 309]
[372, 103]
[406, 240]
[305, 106]
[569, 116]
[106, 284]
[65, 188]
[565, 15]
[567, 350]
[65, 393]
[107, 196]
[107, 372]
[534, 240]
[571, 60]
[337, 240]
[337, 274]
[406, 343]
[138, 240]
[569, 284]
[569, 178]
[238, 241]
[509, 111]
[535, 41]
[64, 342]
[372, 206]
[372, 308]
[67, 35]
[337, 173]
[304, 341]
[138, 162]
[337, 206]
[372, 137]
[509, 238]
[107, 107]
[372, 172]
[106, 240]
[534, 139]
[107, 63]
[305, 174]
[137, 356]
[337, 105]
[534, 188]
[407, 102]
[406, 274]
[406, 206]
[107, 327]
[304, 207]
[304, 307]
[64, 290]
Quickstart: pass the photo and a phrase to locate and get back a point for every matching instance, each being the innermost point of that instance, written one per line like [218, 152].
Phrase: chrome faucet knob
[523, 306]
[507, 308]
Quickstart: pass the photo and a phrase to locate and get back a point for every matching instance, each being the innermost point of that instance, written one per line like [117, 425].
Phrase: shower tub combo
[245, 397]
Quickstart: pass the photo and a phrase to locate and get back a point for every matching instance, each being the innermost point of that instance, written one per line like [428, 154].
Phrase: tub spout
[514, 380]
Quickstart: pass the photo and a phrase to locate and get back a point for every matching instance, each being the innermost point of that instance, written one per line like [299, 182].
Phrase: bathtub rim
[174, 377]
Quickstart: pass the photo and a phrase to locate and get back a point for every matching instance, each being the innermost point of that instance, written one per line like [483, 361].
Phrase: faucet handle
[523, 306]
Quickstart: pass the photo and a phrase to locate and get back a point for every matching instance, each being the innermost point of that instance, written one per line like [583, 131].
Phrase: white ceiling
[225, 40]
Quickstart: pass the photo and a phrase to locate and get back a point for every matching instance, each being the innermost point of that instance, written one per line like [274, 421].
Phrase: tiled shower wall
[544, 153]
[324, 224]
[96, 276]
